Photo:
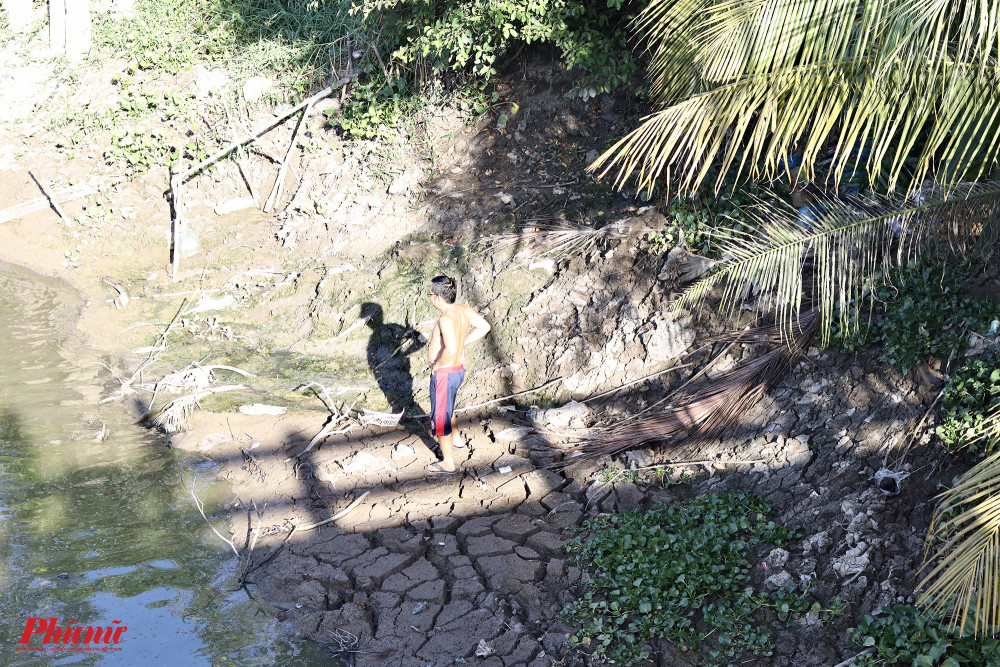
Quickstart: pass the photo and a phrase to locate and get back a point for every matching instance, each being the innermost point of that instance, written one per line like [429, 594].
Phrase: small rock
[402, 450]
[210, 81]
[419, 607]
[777, 558]
[484, 650]
[778, 580]
[571, 414]
[547, 264]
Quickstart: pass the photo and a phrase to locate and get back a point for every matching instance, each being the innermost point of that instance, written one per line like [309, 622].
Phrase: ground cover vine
[680, 573]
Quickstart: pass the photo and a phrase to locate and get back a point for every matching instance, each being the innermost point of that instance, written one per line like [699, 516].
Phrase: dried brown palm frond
[707, 409]
[558, 238]
[962, 578]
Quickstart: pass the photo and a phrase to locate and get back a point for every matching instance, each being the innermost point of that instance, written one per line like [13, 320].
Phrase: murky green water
[104, 529]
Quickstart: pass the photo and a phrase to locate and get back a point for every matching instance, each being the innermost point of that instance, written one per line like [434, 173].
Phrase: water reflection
[101, 529]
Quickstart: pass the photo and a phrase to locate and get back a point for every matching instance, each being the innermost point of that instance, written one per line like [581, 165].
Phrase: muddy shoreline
[471, 567]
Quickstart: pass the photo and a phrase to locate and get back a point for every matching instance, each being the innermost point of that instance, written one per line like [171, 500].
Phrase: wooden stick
[251, 136]
[279, 182]
[504, 398]
[52, 200]
[61, 195]
[342, 513]
[175, 227]
[634, 382]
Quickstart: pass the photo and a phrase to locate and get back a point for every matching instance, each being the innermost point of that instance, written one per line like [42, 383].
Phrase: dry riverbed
[352, 542]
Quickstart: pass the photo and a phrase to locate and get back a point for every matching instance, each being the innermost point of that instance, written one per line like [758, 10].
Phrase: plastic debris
[484, 650]
[890, 483]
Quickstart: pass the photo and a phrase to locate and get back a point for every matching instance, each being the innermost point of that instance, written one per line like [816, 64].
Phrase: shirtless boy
[446, 355]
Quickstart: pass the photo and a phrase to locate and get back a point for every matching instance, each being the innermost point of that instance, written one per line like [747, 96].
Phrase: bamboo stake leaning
[279, 182]
[254, 134]
[52, 200]
[175, 224]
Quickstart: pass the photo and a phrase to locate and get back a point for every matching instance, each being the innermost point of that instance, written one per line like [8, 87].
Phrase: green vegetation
[914, 311]
[904, 636]
[462, 46]
[971, 395]
[680, 573]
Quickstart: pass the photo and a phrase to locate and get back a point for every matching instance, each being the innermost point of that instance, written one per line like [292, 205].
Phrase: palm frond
[705, 410]
[745, 83]
[848, 242]
[560, 238]
[962, 579]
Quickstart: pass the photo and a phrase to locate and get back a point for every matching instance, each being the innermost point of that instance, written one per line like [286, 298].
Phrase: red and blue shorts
[444, 386]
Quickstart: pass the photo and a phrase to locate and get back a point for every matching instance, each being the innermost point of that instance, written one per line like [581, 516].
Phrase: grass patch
[679, 573]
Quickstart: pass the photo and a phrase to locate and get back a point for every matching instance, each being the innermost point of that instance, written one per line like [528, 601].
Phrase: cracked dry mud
[425, 568]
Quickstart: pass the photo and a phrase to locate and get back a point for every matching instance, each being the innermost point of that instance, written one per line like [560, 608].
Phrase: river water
[96, 522]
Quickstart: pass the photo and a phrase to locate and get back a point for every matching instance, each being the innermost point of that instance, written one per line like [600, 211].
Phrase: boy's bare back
[451, 334]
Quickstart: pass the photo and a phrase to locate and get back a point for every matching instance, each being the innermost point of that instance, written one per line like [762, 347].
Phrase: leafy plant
[474, 36]
[140, 151]
[904, 636]
[677, 572]
[972, 393]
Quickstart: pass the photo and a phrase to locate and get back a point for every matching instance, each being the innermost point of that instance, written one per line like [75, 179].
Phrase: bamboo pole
[52, 200]
[61, 195]
[252, 135]
[279, 182]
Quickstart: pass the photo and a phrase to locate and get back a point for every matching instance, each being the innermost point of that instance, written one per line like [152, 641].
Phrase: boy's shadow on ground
[389, 347]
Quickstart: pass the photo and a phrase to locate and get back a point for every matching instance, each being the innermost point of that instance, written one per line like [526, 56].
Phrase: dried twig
[52, 200]
[339, 515]
[279, 182]
[201, 510]
[504, 398]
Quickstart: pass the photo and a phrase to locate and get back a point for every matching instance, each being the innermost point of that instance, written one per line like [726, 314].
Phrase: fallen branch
[254, 134]
[504, 398]
[339, 515]
[52, 200]
[61, 196]
[277, 549]
[245, 567]
[279, 182]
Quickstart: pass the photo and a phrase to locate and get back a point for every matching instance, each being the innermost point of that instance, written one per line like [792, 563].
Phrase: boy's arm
[480, 327]
[434, 346]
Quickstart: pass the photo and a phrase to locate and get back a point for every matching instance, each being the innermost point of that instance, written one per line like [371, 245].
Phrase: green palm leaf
[962, 579]
[744, 83]
[848, 243]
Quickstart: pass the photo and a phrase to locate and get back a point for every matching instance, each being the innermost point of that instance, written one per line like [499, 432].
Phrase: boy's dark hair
[445, 288]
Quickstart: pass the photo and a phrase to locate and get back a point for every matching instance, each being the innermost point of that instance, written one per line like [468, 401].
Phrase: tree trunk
[18, 14]
[77, 29]
[69, 28]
